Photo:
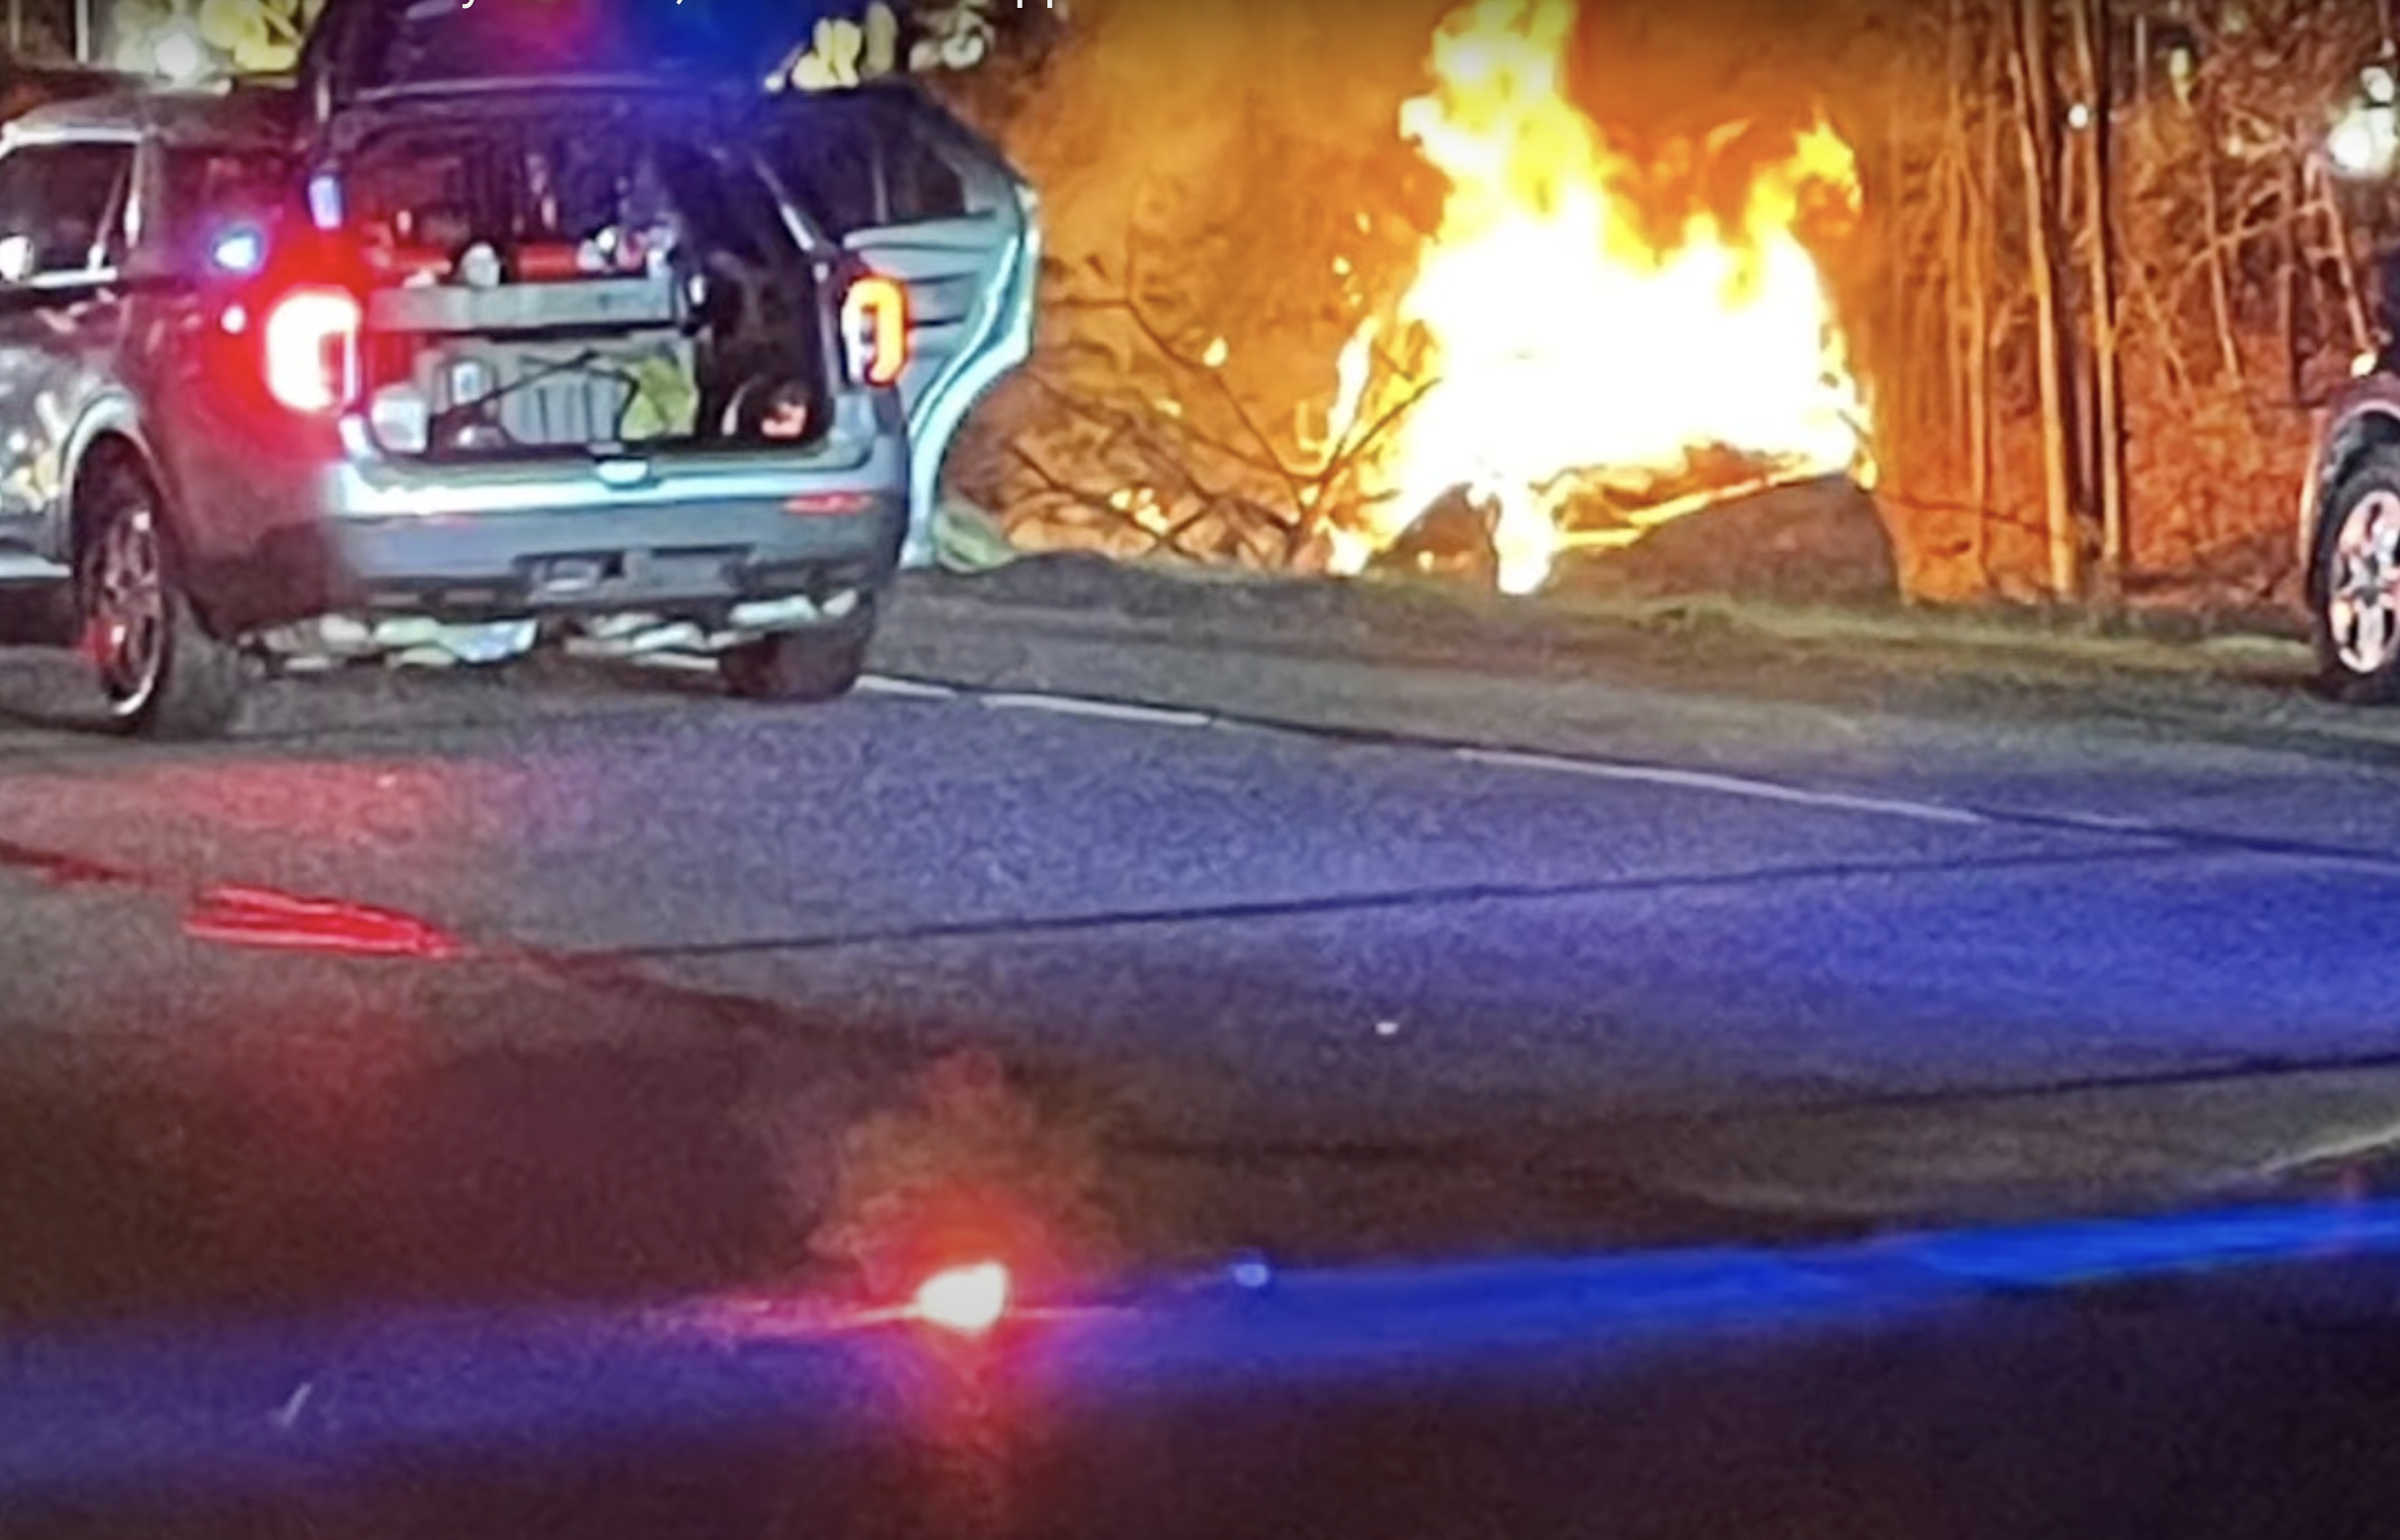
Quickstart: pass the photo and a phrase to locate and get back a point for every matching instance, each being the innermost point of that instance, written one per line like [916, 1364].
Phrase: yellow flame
[1565, 335]
[1353, 372]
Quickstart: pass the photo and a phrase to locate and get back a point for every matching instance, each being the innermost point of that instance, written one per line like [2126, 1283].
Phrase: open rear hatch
[575, 272]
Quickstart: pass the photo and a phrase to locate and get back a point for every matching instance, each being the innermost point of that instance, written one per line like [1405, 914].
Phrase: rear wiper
[588, 361]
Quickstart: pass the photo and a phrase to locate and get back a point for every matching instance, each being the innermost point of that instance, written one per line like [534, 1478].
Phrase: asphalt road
[531, 998]
[649, 950]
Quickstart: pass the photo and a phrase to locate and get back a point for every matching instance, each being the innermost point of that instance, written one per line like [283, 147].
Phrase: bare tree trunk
[2038, 146]
[2221, 294]
[1958, 349]
[1898, 432]
[2220, 291]
[1984, 255]
[2289, 256]
[2337, 231]
[2091, 43]
[1970, 142]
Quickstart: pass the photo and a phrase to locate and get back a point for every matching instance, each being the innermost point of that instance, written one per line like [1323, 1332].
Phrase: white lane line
[871, 684]
[1726, 785]
[2098, 822]
[1111, 710]
[905, 689]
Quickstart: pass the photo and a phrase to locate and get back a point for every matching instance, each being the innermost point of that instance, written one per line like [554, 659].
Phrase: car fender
[2365, 414]
[113, 414]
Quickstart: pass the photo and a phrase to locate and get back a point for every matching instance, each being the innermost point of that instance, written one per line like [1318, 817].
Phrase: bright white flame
[968, 1300]
[1353, 370]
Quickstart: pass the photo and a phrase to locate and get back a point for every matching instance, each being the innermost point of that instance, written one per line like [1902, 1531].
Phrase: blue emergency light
[240, 250]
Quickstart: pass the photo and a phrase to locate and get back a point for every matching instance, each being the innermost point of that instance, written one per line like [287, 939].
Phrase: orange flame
[1564, 335]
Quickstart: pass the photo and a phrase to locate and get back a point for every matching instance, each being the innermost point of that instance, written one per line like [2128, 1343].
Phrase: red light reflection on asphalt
[66, 869]
[244, 916]
[269, 918]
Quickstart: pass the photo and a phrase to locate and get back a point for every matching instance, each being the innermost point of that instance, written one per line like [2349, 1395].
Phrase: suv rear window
[511, 183]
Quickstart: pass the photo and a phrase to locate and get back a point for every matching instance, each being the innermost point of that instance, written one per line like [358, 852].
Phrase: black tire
[821, 664]
[162, 674]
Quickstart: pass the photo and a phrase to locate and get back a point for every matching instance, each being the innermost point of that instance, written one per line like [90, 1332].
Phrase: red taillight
[310, 347]
[829, 505]
[875, 328]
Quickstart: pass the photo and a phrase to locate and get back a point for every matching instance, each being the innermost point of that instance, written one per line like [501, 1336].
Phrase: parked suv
[431, 355]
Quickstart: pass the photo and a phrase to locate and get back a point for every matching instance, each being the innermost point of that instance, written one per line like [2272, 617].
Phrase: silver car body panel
[956, 355]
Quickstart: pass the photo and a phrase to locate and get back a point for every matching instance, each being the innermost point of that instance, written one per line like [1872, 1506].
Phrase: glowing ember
[1565, 336]
[965, 1299]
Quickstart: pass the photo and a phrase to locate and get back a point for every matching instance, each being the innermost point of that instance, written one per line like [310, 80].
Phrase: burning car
[477, 338]
[1596, 348]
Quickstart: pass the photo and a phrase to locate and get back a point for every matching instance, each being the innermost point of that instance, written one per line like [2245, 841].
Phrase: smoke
[1156, 114]
[1701, 98]
[1648, 72]
[1157, 111]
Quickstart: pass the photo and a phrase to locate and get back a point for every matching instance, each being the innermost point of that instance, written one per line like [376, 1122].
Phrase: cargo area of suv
[884, 174]
[545, 284]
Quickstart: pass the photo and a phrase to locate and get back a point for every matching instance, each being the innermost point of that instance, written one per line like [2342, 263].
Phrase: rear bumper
[685, 561]
[277, 540]
[671, 558]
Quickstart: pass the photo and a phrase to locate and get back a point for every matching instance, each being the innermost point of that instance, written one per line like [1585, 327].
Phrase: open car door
[886, 172]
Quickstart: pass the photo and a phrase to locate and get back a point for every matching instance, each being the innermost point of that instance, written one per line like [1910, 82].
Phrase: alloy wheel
[2362, 599]
[126, 610]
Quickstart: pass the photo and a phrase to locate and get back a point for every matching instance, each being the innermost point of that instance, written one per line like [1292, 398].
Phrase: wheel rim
[126, 622]
[2362, 599]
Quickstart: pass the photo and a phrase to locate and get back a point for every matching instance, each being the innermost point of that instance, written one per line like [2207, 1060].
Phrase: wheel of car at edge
[821, 664]
[162, 674]
[2355, 587]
